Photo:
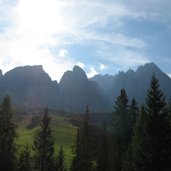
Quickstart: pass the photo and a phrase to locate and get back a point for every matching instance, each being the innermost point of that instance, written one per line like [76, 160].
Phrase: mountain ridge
[31, 86]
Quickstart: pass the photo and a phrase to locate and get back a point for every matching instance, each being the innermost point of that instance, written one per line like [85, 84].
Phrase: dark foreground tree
[121, 129]
[76, 164]
[82, 160]
[7, 136]
[151, 146]
[135, 149]
[60, 163]
[103, 153]
[133, 115]
[120, 122]
[43, 145]
[25, 160]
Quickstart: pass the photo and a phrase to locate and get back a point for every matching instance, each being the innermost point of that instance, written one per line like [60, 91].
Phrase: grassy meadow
[64, 134]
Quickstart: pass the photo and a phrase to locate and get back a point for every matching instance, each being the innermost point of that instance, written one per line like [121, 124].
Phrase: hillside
[62, 130]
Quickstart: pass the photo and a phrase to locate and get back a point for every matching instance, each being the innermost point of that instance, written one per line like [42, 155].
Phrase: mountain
[30, 86]
[135, 83]
[77, 92]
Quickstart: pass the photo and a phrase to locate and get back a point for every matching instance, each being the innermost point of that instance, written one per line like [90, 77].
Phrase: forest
[136, 138]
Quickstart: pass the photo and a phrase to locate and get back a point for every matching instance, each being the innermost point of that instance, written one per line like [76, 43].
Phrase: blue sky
[101, 36]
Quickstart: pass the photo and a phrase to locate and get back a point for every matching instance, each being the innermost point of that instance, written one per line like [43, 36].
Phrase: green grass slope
[64, 134]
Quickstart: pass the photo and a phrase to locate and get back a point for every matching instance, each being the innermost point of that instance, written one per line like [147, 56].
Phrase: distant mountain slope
[30, 86]
[135, 83]
[77, 92]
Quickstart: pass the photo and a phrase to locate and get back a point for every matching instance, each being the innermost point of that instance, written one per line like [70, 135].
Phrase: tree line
[137, 139]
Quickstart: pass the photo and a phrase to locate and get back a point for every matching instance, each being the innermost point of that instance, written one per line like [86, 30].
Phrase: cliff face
[31, 86]
[135, 83]
[77, 92]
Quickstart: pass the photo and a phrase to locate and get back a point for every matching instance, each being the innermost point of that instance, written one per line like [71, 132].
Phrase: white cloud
[169, 74]
[34, 27]
[103, 67]
[92, 72]
[80, 64]
[63, 53]
[128, 41]
[31, 35]
[123, 58]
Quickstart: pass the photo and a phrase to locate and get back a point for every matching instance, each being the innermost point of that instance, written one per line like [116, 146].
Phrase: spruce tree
[86, 160]
[120, 122]
[61, 160]
[133, 114]
[7, 136]
[135, 153]
[76, 164]
[133, 111]
[24, 160]
[151, 141]
[103, 155]
[158, 130]
[121, 128]
[82, 154]
[43, 145]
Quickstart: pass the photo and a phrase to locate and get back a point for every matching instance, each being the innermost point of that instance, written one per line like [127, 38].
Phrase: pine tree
[43, 145]
[134, 153]
[158, 126]
[120, 122]
[7, 136]
[134, 111]
[103, 155]
[133, 115]
[120, 127]
[24, 160]
[151, 141]
[86, 161]
[61, 160]
[75, 165]
[82, 159]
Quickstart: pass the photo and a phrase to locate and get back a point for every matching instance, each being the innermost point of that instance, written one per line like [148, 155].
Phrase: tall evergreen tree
[151, 141]
[7, 136]
[134, 111]
[43, 145]
[133, 115]
[120, 126]
[86, 162]
[82, 160]
[103, 155]
[61, 160]
[76, 164]
[120, 122]
[24, 160]
[134, 153]
[169, 110]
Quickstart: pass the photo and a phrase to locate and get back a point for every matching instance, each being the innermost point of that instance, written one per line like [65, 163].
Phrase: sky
[100, 36]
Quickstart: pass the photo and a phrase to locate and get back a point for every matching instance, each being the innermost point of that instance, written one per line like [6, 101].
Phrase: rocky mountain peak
[1, 73]
[149, 67]
[79, 72]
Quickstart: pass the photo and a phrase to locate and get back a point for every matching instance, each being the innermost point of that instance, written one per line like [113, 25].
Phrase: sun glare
[41, 16]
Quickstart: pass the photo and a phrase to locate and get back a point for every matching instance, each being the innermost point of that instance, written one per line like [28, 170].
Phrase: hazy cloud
[92, 72]
[80, 64]
[30, 29]
[103, 66]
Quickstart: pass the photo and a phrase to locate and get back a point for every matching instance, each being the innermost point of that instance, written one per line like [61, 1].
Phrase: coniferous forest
[137, 138]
